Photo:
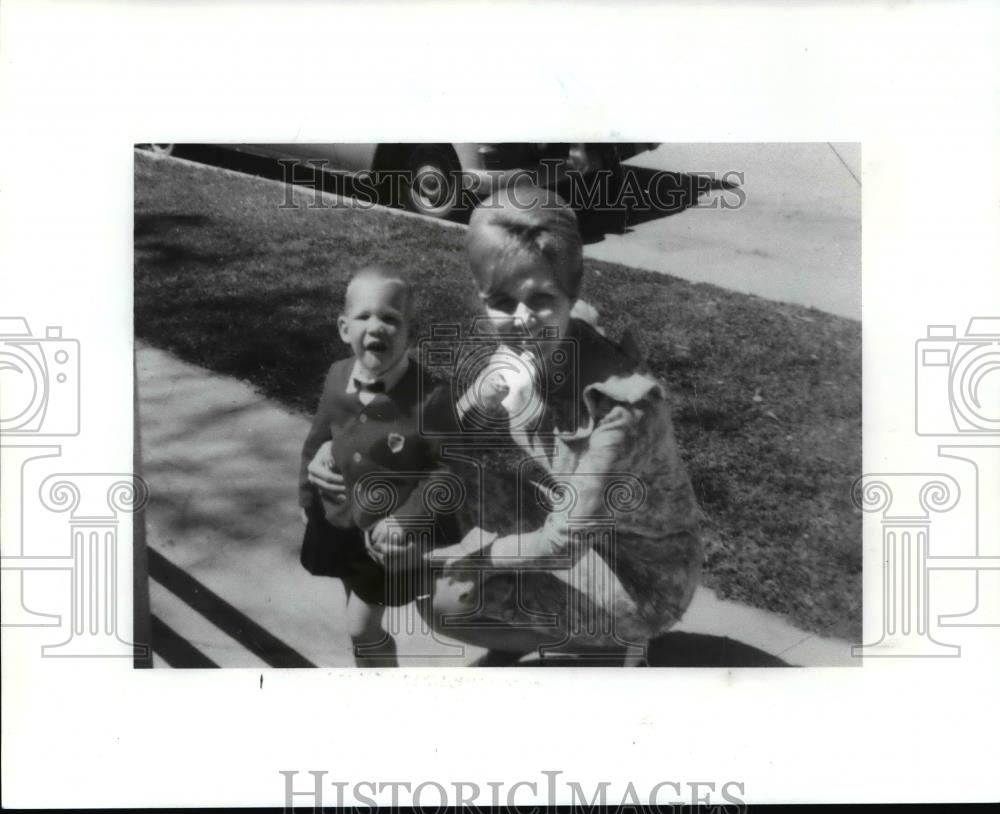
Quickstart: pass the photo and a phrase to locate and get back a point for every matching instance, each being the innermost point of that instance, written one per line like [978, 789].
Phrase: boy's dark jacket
[381, 439]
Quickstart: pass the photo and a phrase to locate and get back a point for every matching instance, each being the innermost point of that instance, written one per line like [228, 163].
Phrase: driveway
[795, 238]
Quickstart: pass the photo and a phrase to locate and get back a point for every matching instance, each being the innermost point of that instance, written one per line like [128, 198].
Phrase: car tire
[432, 181]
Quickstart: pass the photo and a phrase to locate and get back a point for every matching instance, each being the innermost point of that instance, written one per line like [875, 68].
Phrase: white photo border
[82, 82]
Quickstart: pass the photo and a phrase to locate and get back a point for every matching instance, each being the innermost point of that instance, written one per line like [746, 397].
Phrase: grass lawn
[767, 396]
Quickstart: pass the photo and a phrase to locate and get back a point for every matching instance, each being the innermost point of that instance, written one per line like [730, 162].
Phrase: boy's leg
[372, 646]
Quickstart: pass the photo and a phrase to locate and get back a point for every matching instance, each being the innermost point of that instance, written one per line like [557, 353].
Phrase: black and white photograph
[362, 362]
[487, 405]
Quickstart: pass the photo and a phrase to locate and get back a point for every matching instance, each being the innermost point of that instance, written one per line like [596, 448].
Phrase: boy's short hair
[384, 274]
[525, 220]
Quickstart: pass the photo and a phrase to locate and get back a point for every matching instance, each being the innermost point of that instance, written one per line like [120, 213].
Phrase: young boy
[371, 410]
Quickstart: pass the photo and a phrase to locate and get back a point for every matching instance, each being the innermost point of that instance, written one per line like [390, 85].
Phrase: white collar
[390, 378]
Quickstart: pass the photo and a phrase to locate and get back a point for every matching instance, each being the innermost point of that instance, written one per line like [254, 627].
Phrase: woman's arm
[564, 537]
[628, 474]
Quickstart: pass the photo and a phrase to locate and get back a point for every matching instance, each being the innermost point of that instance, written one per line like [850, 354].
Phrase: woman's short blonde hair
[525, 221]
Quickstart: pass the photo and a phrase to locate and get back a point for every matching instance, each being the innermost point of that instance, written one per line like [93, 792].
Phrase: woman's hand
[486, 394]
[384, 543]
[492, 390]
[471, 545]
[322, 475]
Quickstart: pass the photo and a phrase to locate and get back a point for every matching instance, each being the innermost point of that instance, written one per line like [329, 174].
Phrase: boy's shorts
[333, 552]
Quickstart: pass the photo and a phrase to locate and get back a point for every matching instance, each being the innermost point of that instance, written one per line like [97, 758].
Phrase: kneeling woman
[585, 540]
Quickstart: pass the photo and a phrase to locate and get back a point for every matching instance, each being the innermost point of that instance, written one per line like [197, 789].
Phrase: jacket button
[363, 419]
[357, 457]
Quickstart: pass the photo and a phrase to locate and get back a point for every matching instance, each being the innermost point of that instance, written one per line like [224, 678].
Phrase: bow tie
[369, 387]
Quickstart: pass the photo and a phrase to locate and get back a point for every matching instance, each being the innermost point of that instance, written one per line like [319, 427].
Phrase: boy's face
[376, 323]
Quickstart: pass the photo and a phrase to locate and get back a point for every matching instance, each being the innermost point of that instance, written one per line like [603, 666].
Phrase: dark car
[446, 180]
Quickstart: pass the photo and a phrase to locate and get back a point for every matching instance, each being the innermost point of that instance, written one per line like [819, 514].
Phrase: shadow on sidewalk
[179, 653]
[702, 650]
[669, 650]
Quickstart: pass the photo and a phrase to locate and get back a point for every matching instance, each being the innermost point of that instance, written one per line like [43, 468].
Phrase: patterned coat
[387, 461]
[587, 516]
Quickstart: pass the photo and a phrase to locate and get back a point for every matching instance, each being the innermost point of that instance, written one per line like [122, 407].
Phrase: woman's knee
[454, 596]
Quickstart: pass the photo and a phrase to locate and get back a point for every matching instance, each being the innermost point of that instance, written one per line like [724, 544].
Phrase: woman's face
[528, 299]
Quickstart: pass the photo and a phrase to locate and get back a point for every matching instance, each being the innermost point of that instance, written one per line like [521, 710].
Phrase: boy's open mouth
[377, 346]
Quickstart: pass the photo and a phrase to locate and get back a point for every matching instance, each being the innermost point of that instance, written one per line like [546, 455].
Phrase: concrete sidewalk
[223, 531]
[796, 238]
